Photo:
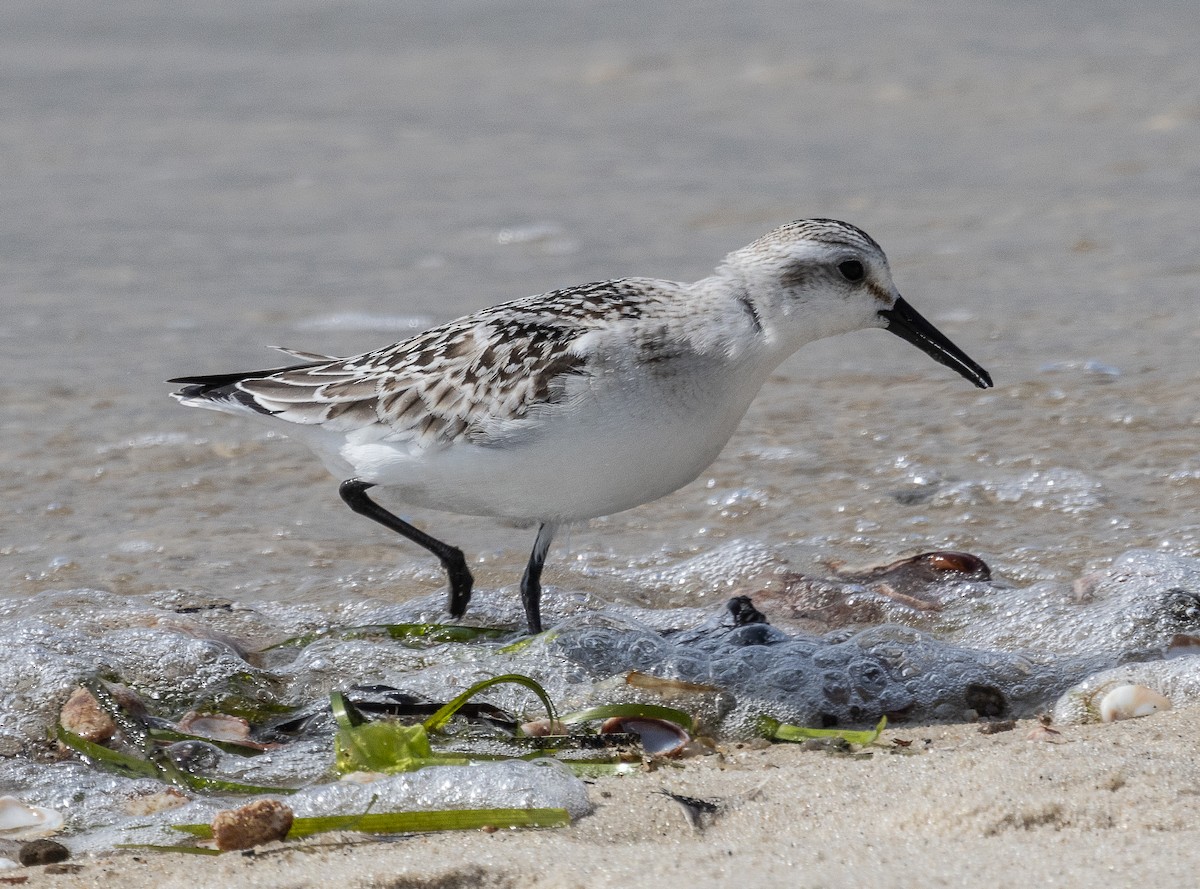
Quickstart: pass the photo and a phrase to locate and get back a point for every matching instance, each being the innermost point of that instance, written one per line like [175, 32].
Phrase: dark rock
[43, 852]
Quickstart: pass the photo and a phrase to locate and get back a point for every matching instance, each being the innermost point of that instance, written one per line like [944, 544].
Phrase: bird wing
[478, 377]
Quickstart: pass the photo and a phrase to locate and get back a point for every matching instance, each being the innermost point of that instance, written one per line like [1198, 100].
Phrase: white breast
[622, 438]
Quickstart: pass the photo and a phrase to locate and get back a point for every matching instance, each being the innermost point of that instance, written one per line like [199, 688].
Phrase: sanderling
[576, 403]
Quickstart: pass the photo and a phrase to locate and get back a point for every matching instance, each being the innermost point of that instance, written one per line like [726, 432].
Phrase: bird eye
[852, 270]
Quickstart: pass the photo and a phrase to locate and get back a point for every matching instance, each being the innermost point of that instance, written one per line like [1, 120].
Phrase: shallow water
[185, 187]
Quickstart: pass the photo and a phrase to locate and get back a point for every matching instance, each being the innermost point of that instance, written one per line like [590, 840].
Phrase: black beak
[904, 321]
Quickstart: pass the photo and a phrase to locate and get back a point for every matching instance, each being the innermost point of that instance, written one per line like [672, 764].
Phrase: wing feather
[491, 371]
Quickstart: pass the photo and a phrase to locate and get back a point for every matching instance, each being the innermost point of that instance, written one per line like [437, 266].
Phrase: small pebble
[262, 821]
[150, 803]
[995, 728]
[10, 746]
[43, 852]
[83, 716]
[62, 868]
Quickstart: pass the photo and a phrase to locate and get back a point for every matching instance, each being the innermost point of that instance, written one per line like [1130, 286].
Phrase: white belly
[622, 441]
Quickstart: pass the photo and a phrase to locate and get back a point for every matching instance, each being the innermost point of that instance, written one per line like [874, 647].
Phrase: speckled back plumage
[456, 380]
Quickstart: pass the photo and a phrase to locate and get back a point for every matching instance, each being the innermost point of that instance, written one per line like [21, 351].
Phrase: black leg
[531, 580]
[354, 492]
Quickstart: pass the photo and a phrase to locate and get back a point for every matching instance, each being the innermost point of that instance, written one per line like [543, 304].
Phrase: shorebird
[576, 403]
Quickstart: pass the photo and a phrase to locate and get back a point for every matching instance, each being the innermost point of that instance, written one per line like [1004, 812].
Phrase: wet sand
[1115, 805]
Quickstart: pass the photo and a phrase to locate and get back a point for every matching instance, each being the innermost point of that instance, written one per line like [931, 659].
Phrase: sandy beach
[185, 186]
[1114, 804]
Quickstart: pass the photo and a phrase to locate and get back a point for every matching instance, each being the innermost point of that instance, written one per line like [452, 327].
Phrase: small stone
[10, 746]
[43, 852]
[63, 868]
[83, 716]
[262, 821]
[150, 803]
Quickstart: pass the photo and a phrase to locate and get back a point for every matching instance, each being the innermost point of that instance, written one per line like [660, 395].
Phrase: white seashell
[1131, 701]
[216, 726]
[21, 820]
[543, 728]
[659, 737]
[8, 864]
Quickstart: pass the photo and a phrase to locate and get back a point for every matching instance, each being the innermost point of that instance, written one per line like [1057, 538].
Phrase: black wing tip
[203, 384]
[216, 390]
